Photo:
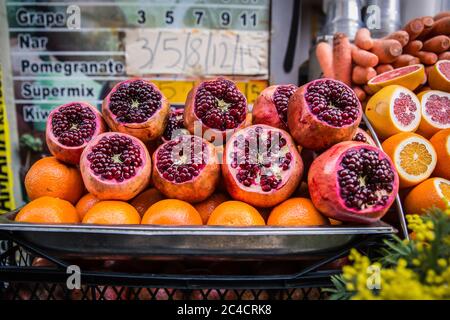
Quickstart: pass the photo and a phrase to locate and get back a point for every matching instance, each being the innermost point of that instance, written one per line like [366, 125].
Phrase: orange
[413, 156]
[296, 212]
[172, 212]
[145, 199]
[392, 110]
[441, 143]
[432, 192]
[85, 203]
[51, 177]
[237, 214]
[48, 210]
[206, 207]
[112, 212]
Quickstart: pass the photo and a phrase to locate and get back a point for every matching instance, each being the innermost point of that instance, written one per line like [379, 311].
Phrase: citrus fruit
[51, 177]
[206, 207]
[435, 111]
[85, 203]
[48, 210]
[432, 192]
[409, 77]
[296, 212]
[112, 212]
[441, 143]
[235, 213]
[392, 110]
[172, 212]
[413, 156]
[145, 199]
[439, 76]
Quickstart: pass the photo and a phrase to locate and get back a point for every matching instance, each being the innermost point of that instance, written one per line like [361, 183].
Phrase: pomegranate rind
[258, 197]
[380, 112]
[366, 135]
[146, 131]
[409, 77]
[264, 109]
[197, 189]
[212, 134]
[312, 133]
[325, 191]
[112, 189]
[427, 126]
[436, 79]
[70, 154]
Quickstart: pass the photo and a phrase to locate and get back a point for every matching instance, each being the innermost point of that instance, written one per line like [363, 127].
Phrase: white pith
[424, 111]
[437, 182]
[415, 123]
[429, 149]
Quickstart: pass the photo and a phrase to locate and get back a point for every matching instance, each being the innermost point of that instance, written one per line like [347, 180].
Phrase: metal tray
[94, 241]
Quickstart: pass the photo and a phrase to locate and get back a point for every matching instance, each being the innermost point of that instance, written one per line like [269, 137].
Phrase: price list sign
[64, 51]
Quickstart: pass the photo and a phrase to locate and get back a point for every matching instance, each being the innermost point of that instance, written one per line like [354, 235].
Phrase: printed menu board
[64, 51]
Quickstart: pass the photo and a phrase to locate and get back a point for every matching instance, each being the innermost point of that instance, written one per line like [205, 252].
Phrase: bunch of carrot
[422, 40]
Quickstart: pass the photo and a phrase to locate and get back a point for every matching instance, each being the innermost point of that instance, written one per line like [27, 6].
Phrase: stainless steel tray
[98, 241]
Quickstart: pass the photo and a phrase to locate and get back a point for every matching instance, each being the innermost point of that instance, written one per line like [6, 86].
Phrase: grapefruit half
[439, 76]
[435, 111]
[409, 77]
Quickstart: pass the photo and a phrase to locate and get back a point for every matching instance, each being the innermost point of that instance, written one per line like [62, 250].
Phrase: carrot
[427, 57]
[427, 25]
[428, 69]
[440, 15]
[361, 75]
[440, 27]
[415, 60]
[403, 60]
[360, 93]
[387, 50]
[342, 54]
[400, 35]
[414, 28]
[382, 68]
[363, 39]
[368, 90]
[324, 54]
[444, 55]
[413, 46]
[437, 44]
[364, 58]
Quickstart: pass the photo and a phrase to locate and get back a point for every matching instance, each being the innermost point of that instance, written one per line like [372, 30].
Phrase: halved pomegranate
[271, 106]
[322, 113]
[136, 107]
[69, 129]
[353, 182]
[261, 166]
[175, 126]
[186, 168]
[218, 107]
[362, 136]
[115, 166]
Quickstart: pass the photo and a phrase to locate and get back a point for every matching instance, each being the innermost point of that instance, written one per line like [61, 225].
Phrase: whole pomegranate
[261, 166]
[271, 106]
[115, 166]
[175, 126]
[186, 168]
[322, 113]
[218, 107]
[353, 182]
[69, 129]
[138, 108]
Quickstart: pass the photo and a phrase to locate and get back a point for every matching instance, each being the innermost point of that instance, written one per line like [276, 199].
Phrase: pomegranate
[261, 166]
[186, 168]
[322, 113]
[218, 106]
[271, 106]
[115, 166]
[354, 182]
[69, 129]
[362, 136]
[138, 108]
[175, 126]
